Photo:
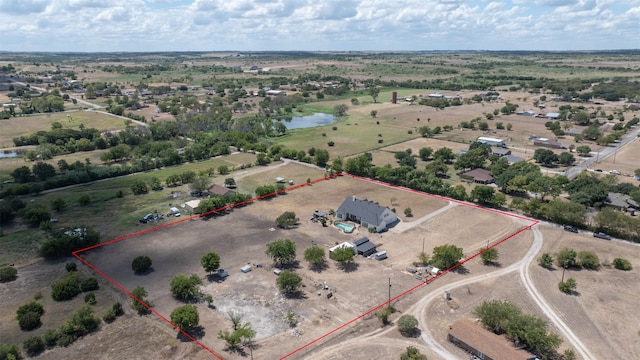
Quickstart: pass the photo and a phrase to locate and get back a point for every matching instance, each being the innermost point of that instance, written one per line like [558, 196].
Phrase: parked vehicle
[601, 235]
[570, 228]
[147, 218]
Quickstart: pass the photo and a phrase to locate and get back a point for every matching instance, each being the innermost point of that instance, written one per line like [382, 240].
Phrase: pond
[317, 119]
[9, 154]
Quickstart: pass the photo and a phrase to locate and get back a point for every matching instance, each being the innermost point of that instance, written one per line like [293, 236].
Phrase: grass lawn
[20, 245]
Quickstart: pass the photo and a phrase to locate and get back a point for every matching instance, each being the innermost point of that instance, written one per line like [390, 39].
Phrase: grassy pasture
[70, 120]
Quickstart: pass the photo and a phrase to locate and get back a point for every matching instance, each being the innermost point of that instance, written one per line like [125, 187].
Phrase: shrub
[71, 267]
[622, 264]
[84, 200]
[141, 264]
[90, 299]
[9, 351]
[8, 273]
[65, 289]
[89, 284]
[109, 317]
[34, 345]
[29, 321]
[29, 315]
[51, 337]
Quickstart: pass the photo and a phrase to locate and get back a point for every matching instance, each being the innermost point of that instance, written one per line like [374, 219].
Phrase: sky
[317, 25]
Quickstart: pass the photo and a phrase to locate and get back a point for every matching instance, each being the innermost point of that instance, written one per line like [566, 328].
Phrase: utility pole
[423, 244]
[389, 302]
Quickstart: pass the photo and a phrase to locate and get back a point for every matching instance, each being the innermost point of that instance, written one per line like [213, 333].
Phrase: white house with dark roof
[368, 214]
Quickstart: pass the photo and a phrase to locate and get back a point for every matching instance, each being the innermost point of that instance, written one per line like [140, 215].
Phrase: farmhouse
[621, 202]
[483, 343]
[478, 176]
[368, 214]
[219, 190]
[364, 247]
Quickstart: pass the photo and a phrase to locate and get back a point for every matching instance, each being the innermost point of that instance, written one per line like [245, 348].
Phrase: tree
[493, 314]
[89, 284]
[445, 256]
[241, 334]
[490, 256]
[407, 325]
[9, 352]
[288, 282]
[263, 191]
[545, 156]
[315, 255]
[566, 258]
[509, 126]
[546, 260]
[373, 91]
[200, 184]
[141, 264]
[445, 154]
[340, 110]
[588, 260]
[622, 264]
[282, 251]
[185, 317]
[185, 287]
[22, 174]
[344, 255]
[583, 150]
[58, 204]
[566, 159]
[210, 262]
[287, 220]
[568, 286]
[408, 212]
[230, 183]
[412, 354]
[35, 214]
[8, 273]
[139, 187]
[321, 157]
[425, 153]
[139, 301]
[373, 113]
[43, 171]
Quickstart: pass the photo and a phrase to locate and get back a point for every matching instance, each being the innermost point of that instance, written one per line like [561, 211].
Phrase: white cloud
[318, 25]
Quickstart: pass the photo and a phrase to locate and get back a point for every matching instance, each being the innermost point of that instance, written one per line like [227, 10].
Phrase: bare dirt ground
[177, 250]
[625, 161]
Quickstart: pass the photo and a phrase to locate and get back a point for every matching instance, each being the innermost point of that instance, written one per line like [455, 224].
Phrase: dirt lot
[625, 161]
[177, 249]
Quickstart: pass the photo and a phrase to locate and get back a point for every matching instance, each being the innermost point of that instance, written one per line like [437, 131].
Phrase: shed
[364, 247]
[344, 244]
[192, 205]
[552, 115]
[222, 273]
[246, 268]
[500, 151]
[280, 179]
[484, 344]
[549, 143]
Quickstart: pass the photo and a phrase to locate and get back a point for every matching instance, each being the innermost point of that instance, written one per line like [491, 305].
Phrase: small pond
[317, 119]
[8, 154]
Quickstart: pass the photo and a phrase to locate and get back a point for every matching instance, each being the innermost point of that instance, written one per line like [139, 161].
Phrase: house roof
[500, 151]
[364, 246]
[512, 159]
[368, 211]
[492, 345]
[620, 200]
[220, 190]
[480, 175]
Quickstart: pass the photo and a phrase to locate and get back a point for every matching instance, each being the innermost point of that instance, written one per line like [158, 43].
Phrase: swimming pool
[345, 227]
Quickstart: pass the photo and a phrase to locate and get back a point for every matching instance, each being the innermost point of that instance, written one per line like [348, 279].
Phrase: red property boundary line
[228, 207]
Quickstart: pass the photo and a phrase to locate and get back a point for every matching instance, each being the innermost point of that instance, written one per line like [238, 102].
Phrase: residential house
[220, 190]
[484, 344]
[621, 202]
[368, 214]
[478, 176]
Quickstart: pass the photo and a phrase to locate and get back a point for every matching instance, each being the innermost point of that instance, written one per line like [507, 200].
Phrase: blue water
[345, 227]
[11, 154]
[317, 119]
